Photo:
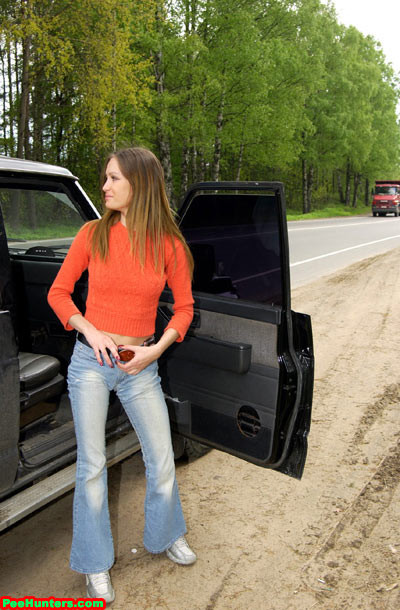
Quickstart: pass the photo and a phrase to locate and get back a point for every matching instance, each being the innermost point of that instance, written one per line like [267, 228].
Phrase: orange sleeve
[76, 261]
[179, 280]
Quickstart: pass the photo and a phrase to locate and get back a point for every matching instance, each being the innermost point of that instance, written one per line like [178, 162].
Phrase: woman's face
[117, 189]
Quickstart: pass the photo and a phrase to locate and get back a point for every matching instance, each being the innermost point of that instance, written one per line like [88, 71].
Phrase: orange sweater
[123, 299]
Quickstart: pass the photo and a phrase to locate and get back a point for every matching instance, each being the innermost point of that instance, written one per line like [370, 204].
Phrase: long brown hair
[149, 214]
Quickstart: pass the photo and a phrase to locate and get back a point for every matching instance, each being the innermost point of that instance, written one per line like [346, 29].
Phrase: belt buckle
[150, 341]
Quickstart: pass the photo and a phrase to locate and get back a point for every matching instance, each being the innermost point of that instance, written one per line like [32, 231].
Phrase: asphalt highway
[321, 247]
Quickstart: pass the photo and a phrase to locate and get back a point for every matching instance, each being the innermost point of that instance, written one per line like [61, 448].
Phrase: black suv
[242, 379]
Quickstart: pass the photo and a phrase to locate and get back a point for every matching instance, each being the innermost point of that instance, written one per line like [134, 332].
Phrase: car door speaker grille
[248, 421]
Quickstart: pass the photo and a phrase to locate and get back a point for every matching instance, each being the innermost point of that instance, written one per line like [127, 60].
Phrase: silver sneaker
[99, 586]
[180, 552]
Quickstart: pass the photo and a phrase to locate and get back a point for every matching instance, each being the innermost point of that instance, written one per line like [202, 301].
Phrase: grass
[330, 212]
[44, 232]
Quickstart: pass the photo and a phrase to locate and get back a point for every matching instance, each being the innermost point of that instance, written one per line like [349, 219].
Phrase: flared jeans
[89, 386]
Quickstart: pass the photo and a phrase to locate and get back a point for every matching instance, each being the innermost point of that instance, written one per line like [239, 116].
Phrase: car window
[234, 239]
[385, 190]
[40, 220]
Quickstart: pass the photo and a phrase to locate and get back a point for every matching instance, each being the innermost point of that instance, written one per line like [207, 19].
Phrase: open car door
[242, 379]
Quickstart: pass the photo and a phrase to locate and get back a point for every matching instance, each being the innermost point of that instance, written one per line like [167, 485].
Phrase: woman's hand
[102, 346]
[101, 343]
[146, 354]
[143, 356]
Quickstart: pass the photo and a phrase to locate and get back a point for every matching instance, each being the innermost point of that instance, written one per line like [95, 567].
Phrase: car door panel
[37, 325]
[231, 407]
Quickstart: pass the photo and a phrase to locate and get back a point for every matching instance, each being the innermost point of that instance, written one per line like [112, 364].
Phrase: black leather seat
[39, 378]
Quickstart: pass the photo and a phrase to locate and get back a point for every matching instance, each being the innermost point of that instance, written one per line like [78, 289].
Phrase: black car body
[242, 379]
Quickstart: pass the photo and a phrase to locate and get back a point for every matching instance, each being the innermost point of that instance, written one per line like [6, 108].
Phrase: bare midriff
[123, 340]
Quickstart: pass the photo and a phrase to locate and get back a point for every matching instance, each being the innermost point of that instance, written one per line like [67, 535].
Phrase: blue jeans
[89, 385]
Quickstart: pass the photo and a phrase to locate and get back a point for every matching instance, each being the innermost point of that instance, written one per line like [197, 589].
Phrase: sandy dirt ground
[265, 541]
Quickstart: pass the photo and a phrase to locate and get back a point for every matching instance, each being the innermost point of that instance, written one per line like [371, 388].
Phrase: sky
[379, 18]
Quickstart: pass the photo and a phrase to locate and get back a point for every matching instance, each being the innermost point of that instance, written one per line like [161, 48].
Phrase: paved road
[321, 247]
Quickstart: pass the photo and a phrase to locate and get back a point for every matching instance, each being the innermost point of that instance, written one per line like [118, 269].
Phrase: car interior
[49, 215]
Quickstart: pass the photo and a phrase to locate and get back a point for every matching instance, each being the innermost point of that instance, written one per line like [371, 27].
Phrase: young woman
[130, 253]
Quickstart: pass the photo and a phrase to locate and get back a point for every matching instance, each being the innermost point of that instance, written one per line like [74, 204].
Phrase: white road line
[315, 258]
[353, 224]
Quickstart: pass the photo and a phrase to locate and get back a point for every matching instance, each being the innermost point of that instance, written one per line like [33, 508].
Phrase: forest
[218, 89]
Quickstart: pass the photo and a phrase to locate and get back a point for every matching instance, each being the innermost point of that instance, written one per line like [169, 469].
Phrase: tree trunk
[185, 168]
[201, 172]
[187, 17]
[348, 185]
[23, 127]
[38, 103]
[201, 165]
[16, 69]
[3, 73]
[114, 127]
[10, 99]
[164, 148]
[59, 128]
[133, 128]
[310, 184]
[240, 161]
[23, 130]
[305, 187]
[194, 160]
[340, 186]
[366, 194]
[217, 140]
[165, 157]
[356, 185]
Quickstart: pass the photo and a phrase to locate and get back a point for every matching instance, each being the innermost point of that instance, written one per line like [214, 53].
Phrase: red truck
[386, 199]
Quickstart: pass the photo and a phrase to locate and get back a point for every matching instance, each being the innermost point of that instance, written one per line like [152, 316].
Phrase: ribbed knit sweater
[123, 298]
